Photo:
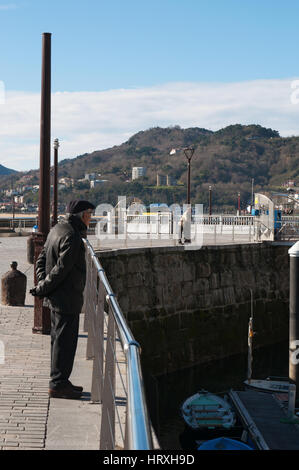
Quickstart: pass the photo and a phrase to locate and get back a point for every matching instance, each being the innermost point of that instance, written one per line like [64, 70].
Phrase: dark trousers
[64, 338]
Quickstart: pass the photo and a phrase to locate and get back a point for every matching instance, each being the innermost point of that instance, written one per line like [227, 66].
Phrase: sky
[121, 66]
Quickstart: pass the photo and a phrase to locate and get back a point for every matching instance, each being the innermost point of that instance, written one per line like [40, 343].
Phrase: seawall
[189, 307]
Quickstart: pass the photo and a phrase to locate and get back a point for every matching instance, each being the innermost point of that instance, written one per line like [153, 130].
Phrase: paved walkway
[28, 418]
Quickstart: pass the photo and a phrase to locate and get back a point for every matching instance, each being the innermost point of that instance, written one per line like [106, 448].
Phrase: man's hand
[34, 293]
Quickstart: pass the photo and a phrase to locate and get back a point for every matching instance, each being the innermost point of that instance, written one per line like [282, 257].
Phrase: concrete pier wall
[189, 307]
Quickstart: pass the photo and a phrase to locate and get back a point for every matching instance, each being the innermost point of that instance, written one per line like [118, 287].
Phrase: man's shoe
[78, 388]
[65, 392]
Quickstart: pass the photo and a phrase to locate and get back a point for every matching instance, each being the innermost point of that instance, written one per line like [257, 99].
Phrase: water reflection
[169, 391]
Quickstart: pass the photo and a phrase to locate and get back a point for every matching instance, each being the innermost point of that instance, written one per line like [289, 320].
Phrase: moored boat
[268, 385]
[206, 410]
[224, 443]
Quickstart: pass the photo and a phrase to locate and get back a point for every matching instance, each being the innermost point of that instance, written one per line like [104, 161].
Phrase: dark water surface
[168, 392]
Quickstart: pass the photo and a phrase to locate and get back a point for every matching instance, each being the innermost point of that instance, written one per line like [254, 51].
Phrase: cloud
[88, 121]
[2, 93]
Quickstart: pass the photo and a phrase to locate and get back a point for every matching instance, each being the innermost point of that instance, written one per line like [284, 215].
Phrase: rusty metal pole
[42, 322]
[13, 204]
[13, 211]
[55, 183]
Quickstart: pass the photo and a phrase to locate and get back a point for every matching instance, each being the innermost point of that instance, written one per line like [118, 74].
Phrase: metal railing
[24, 223]
[290, 218]
[17, 222]
[243, 220]
[117, 380]
[165, 228]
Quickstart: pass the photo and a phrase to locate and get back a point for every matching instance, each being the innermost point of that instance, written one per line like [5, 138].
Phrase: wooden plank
[266, 414]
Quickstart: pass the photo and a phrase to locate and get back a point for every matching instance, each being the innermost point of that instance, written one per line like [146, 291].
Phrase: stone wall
[188, 307]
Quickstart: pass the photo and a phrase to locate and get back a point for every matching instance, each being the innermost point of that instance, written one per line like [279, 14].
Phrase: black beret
[79, 205]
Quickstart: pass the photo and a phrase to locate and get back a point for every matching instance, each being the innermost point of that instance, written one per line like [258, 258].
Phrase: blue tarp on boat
[224, 443]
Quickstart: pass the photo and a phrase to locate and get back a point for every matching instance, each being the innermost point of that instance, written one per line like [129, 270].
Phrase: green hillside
[6, 171]
[227, 160]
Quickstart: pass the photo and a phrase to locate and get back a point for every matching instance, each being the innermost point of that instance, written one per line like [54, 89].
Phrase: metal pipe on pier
[294, 315]
[55, 183]
[42, 322]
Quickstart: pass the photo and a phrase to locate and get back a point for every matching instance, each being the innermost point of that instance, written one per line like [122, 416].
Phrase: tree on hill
[228, 158]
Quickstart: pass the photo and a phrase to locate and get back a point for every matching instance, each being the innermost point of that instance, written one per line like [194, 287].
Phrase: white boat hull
[205, 410]
[270, 386]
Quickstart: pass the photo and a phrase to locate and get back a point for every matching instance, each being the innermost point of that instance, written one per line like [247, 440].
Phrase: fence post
[98, 362]
[107, 438]
[126, 228]
[291, 402]
[91, 311]
[86, 291]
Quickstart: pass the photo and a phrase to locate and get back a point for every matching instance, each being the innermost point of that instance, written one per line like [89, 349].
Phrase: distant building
[90, 176]
[95, 183]
[289, 184]
[66, 181]
[11, 192]
[163, 180]
[138, 172]
[26, 178]
[170, 181]
[26, 188]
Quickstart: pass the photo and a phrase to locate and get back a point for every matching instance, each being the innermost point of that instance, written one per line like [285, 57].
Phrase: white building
[95, 183]
[11, 192]
[138, 172]
[90, 176]
[66, 181]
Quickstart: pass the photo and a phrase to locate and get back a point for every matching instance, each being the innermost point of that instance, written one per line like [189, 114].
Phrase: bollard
[291, 401]
[13, 287]
[294, 314]
[30, 245]
[30, 249]
[42, 316]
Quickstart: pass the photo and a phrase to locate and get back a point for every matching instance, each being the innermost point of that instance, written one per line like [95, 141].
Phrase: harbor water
[168, 392]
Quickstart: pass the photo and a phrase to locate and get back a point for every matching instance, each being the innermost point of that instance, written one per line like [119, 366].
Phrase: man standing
[61, 275]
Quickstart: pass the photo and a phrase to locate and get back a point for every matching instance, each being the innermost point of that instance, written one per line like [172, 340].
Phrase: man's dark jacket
[61, 267]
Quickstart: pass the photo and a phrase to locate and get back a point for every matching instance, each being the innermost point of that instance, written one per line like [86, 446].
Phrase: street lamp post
[239, 204]
[186, 218]
[189, 151]
[210, 200]
[55, 183]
